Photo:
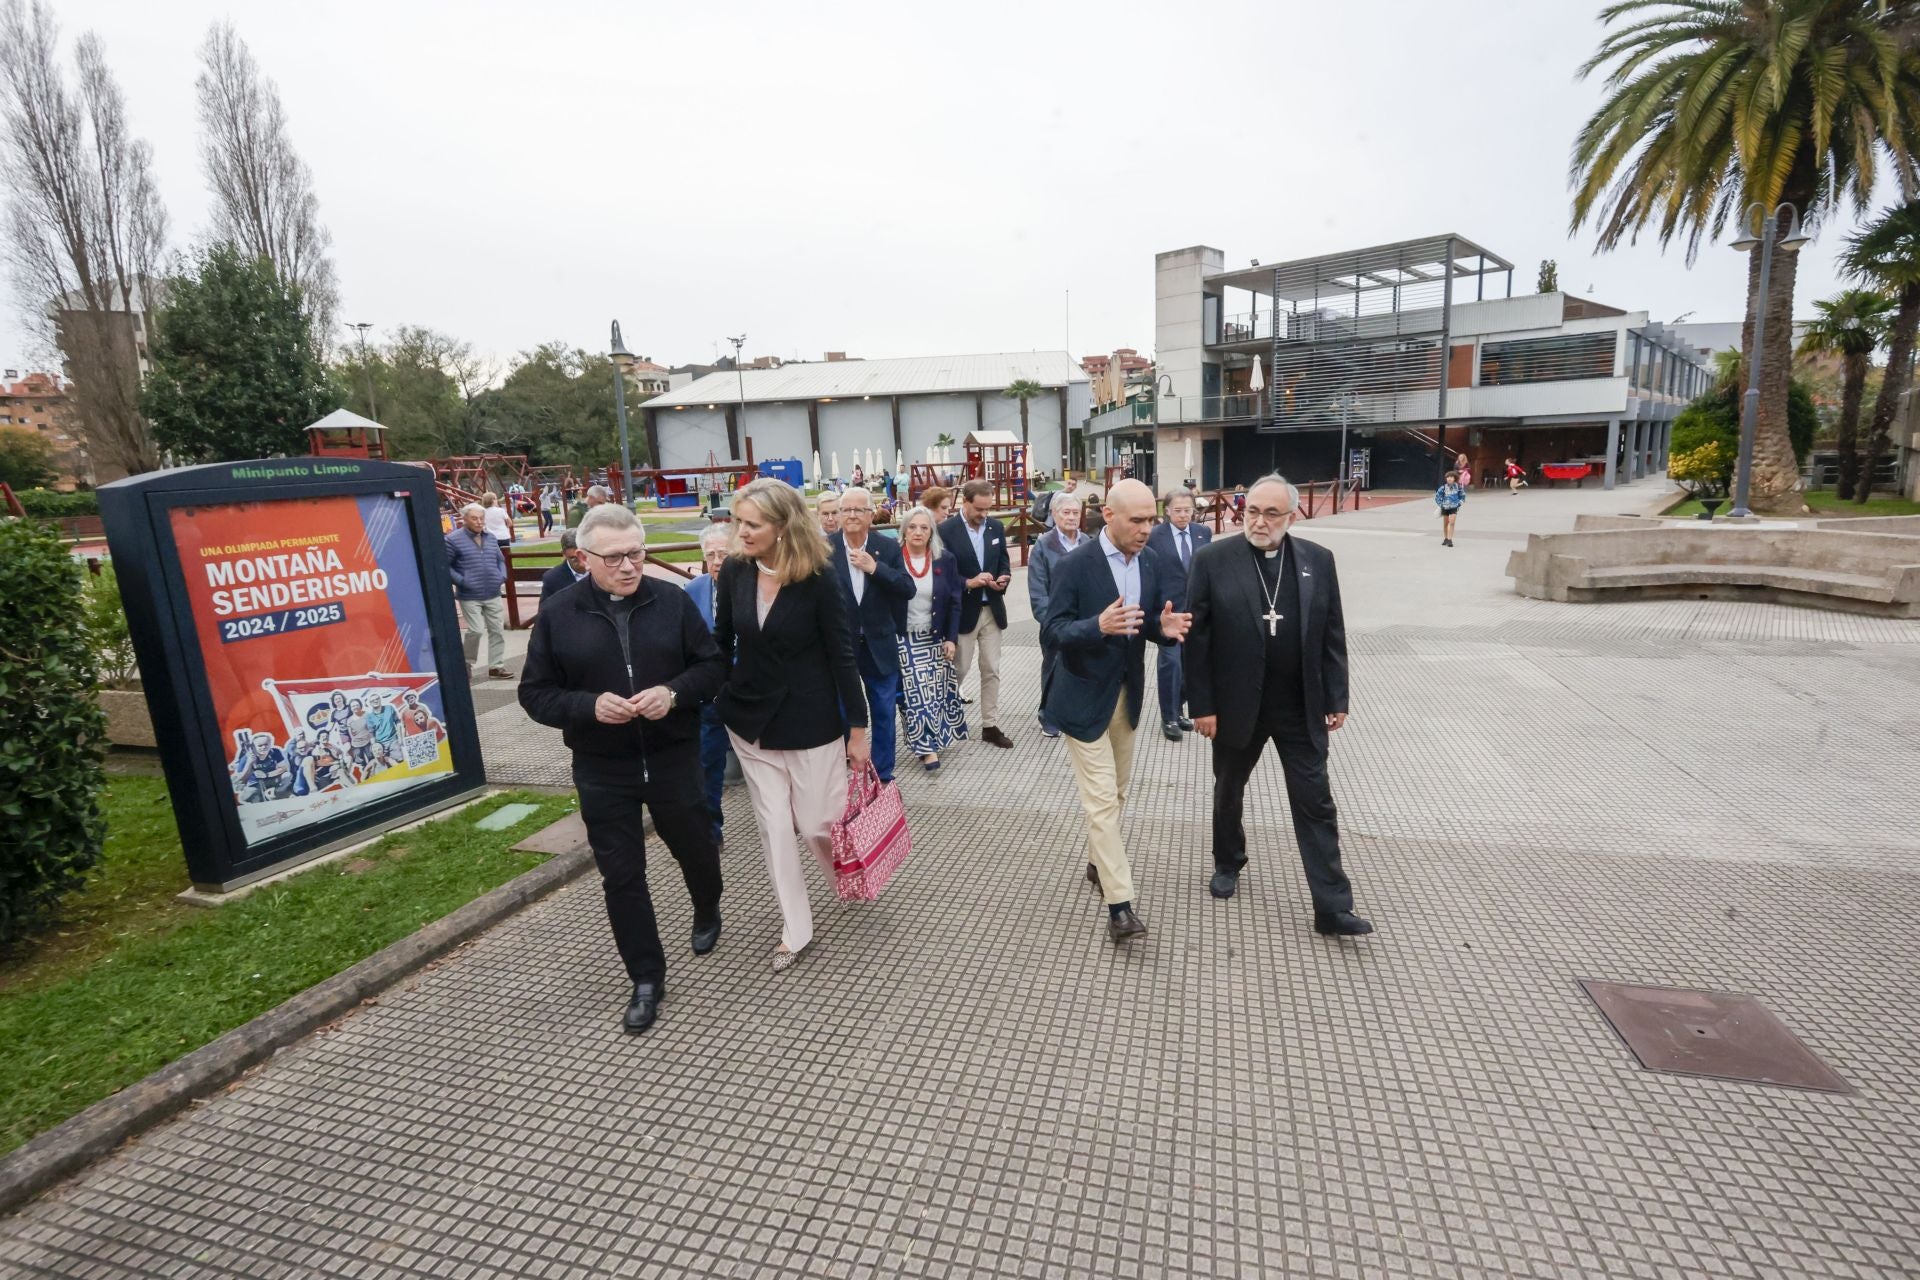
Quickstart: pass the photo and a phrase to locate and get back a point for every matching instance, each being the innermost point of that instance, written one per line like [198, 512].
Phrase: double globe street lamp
[1760, 230]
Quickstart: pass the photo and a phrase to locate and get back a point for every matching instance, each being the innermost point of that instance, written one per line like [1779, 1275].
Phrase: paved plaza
[967, 1079]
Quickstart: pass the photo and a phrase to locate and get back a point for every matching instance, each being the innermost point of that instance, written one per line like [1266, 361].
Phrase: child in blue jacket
[1448, 498]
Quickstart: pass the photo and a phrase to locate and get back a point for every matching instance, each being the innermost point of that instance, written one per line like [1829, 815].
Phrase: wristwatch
[673, 697]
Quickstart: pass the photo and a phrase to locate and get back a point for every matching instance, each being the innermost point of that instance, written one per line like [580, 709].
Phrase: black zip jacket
[577, 653]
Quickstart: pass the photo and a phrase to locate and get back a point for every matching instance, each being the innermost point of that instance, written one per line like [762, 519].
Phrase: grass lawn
[129, 979]
[1824, 503]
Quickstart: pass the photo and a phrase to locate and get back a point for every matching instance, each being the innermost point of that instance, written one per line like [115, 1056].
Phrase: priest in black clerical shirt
[1267, 660]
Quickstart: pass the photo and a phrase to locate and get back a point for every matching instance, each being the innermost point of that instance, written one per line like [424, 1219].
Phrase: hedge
[48, 504]
[52, 732]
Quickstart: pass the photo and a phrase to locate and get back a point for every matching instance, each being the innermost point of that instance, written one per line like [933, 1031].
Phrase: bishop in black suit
[1267, 660]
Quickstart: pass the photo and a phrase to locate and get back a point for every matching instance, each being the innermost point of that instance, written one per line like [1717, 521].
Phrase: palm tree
[1023, 390]
[1714, 105]
[1851, 325]
[1887, 253]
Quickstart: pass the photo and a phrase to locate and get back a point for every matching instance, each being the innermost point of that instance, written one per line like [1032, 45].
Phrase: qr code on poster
[423, 749]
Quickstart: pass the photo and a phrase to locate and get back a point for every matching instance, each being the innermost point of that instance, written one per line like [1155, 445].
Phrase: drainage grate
[1710, 1033]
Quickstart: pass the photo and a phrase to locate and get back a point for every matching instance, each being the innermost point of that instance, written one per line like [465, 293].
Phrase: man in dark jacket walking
[620, 664]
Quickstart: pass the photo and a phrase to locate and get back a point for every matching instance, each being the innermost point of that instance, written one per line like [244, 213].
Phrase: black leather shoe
[1125, 925]
[646, 1005]
[1223, 884]
[994, 736]
[1345, 924]
[1172, 729]
[1185, 724]
[705, 936]
[1093, 875]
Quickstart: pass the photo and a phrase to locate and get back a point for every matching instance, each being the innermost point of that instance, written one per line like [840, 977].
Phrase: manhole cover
[1710, 1033]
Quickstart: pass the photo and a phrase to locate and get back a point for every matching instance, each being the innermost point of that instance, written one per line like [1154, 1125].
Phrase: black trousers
[611, 795]
[1315, 821]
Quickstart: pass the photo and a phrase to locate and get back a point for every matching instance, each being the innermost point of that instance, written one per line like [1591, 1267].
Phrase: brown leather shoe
[996, 737]
[1125, 925]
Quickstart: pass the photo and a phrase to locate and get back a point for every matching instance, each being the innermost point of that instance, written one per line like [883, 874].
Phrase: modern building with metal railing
[1387, 361]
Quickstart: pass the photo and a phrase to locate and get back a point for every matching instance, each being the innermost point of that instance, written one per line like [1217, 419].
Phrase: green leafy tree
[1023, 390]
[1887, 253]
[26, 458]
[1713, 105]
[1850, 325]
[427, 386]
[557, 406]
[235, 371]
[52, 733]
[1715, 416]
[1549, 279]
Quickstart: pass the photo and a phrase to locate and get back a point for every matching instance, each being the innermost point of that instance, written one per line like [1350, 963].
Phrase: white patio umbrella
[1257, 382]
[899, 463]
[836, 464]
[817, 481]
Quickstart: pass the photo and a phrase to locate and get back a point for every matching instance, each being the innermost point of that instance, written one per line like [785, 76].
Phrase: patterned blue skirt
[931, 713]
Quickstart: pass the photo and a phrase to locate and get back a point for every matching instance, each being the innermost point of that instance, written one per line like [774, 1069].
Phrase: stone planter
[128, 723]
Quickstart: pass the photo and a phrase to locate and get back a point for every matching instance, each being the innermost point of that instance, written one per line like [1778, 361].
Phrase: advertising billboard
[311, 686]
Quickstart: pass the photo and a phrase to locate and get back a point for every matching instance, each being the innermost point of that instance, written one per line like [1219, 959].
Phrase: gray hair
[472, 507]
[713, 531]
[1274, 477]
[919, 513]
[857, 491]
[1174, 495]
[569, 540]
[613, 518]
[601, 492]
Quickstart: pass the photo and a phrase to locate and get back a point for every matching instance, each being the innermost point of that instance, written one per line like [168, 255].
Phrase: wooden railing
[523, 574]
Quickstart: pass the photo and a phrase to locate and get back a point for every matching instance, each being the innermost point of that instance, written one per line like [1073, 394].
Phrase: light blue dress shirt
[1126, 570]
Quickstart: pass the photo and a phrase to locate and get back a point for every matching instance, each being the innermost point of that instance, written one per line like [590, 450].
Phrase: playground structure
[997, 457]
[345, 434]
[681, 486]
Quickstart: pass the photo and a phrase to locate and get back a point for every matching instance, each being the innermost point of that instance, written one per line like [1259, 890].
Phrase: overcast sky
[892, 179]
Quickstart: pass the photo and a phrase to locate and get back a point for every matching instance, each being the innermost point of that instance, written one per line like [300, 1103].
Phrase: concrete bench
[1852, 571]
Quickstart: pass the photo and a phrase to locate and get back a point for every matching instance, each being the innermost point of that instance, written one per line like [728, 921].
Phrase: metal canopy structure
[1429, 260]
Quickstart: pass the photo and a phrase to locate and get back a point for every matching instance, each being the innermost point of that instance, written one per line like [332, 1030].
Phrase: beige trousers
[489, 616]
[1103, 768]
[804, 790]
[985, 640]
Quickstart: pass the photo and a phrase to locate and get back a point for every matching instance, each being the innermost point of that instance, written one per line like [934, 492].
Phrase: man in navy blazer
[1173, 544]
[1108, 599]
[571, 569]
[876, 587]
[979, 547]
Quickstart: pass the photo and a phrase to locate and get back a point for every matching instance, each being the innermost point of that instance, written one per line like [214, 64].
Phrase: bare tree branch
[264, 199]
[84, 226]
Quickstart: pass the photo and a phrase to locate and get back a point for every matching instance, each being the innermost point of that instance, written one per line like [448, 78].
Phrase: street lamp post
[1345, 404]
[622, 361]
[366, 368]
[1762, 232]
[740, 381]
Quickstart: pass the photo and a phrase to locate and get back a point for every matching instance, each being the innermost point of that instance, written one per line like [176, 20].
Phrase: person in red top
[1516, 476]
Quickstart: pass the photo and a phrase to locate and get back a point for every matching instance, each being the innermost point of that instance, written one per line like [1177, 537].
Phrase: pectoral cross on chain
[1273, 620]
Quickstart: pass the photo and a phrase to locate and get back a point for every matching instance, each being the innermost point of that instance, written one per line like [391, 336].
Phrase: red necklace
[926, 566]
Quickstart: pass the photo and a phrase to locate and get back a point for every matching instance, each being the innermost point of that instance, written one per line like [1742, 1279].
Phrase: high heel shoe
[784, 960]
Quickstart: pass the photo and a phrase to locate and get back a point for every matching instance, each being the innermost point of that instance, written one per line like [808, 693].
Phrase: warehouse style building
[899, 406]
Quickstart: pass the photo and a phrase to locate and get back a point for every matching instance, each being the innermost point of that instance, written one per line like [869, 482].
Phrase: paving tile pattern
[965, 1079]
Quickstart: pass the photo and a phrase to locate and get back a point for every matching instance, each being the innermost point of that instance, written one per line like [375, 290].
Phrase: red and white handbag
[871, 839]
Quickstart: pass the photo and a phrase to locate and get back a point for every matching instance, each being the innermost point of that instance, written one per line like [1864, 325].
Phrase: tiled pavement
[966, 1079]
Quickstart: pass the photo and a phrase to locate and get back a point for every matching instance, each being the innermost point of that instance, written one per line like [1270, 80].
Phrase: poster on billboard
[312, 625]
[308, 640]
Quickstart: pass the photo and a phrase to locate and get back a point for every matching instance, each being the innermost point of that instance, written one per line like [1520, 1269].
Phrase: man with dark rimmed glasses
[620, 664]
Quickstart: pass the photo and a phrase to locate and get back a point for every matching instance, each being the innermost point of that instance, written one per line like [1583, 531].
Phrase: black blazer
[792, 679]
[1092, 668]
[1226, 647]
[882, 612]
[946, 594]
[953, 532]
[556, 579]
[1160, 542]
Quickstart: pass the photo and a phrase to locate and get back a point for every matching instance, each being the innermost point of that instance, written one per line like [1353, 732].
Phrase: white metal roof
[341, 418]
[850, 379]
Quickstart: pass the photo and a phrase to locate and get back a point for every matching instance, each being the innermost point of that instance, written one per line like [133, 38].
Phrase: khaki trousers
[806, 790]
[489, 616]
[985, 640]
[1103, 768]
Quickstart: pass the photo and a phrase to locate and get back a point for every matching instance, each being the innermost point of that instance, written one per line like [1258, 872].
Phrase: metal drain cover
[1710, 1033]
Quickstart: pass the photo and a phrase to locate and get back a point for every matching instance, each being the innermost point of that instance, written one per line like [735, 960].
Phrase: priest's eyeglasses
[1267, 515]
[619, 558]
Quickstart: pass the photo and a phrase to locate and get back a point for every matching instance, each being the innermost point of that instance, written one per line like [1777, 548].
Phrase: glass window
[1575, 356]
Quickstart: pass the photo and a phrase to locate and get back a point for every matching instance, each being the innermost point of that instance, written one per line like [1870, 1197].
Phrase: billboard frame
[194, 754]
